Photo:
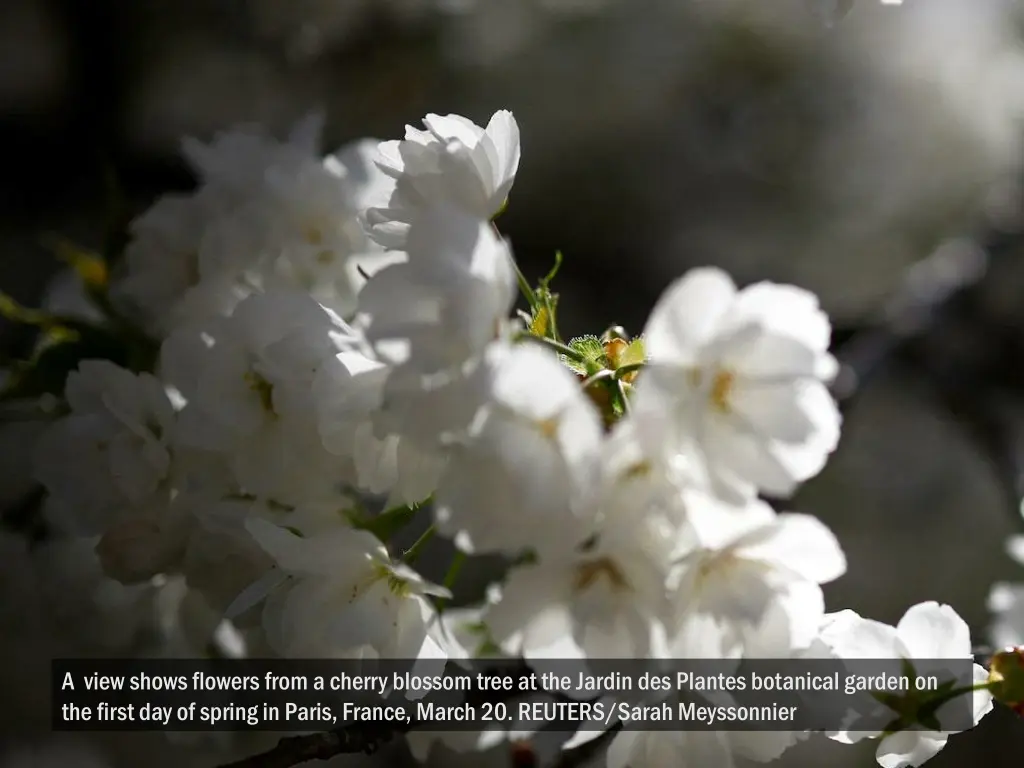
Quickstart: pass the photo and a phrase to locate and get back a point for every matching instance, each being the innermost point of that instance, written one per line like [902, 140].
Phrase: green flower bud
[1006, 678]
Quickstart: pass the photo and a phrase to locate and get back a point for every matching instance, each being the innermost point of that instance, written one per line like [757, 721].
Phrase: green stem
[451, 576]
[982, 686]
[524, 285]
[553, 345]
[621, 387]
[604, 373]
[416, 549]
[549, 305]
[625, 370]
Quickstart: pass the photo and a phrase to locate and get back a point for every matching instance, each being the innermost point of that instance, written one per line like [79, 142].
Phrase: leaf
[90, 267]
[60, 353]
[18, 313]
[540, 323]
[385, 525]
[524, 286]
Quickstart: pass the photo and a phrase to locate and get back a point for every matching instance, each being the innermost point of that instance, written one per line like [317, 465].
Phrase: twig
[347, 740]
[295, 750]
[927, 290]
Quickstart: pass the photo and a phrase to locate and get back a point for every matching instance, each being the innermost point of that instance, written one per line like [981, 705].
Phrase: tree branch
[347, 740]
[294, 750]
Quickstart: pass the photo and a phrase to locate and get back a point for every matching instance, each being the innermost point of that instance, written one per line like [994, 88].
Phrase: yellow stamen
[721, 391]
[263, 389]
[590, 571]
[549, 427]
[314, 234]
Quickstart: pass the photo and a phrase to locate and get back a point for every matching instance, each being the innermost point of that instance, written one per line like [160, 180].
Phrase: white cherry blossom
[347, 598]
[927, 631]
[454, 162]
[222, 559]
[518, 481]
[448, 301]
[737, 383]
[267, 213]
[603, 601]
[110, 459]
[336, 334]
[748, 566]
[299, 229]
[161, 262]
[249, 393]
[348, 398]
[238, 160]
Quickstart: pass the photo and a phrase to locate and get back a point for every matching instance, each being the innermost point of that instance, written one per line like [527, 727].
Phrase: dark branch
[294, 750]
[348, 740]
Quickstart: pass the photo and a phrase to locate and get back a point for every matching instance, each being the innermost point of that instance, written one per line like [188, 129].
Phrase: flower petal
[933, 631]
[687, 314]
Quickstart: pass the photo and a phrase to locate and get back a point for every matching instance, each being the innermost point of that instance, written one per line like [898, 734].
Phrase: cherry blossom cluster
[341, 355]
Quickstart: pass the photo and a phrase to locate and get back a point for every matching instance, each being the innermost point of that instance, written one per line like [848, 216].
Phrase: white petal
[771, 356]
[389, 159]
[784, 310]
[983, 700]
[909, 749]
[775, 409]
[325, 553]
[532, 382]
[805, 459]
[454, 127]
[687, 314]
[717, 523]
[804, 545]
[503, 131]
[739, 458]
[851, 637]
[532, 613]
[933, 631]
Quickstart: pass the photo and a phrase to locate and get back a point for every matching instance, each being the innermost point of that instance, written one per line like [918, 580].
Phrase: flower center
[721, 390]
[590, 572]
[314, 234]
[640, 469]
[549, 427]
[264, 391]
[397, 585]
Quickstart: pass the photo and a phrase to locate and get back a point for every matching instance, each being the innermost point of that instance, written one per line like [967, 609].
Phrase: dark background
[873, 159]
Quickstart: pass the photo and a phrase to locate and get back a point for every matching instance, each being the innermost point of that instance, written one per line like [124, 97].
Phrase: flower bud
[1006, 678]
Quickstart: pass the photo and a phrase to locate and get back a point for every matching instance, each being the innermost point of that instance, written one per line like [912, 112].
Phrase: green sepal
[634, 354]
[591, 350]
[385, 525]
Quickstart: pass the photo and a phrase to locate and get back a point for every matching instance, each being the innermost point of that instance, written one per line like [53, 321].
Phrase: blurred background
[870, 153]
